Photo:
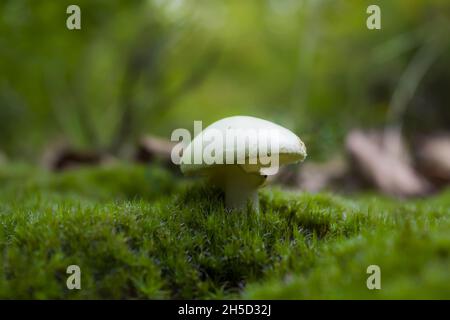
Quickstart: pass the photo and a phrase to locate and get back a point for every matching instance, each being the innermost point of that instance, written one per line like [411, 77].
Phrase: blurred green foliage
[152, 66]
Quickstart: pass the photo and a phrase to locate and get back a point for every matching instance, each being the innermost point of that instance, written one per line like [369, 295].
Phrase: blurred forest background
[146, 67]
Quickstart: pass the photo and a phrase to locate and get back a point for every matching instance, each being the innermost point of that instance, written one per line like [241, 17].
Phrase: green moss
[140, 233]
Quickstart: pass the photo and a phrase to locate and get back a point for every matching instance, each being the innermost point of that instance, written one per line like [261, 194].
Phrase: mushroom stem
[237, 197]
[241, 188]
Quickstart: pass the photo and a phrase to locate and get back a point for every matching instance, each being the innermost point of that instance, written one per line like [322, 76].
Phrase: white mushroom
[259, 149]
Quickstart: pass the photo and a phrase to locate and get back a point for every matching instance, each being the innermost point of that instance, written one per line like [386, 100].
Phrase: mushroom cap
[290, 148]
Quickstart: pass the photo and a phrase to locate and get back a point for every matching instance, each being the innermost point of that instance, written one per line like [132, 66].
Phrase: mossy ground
[138, 232]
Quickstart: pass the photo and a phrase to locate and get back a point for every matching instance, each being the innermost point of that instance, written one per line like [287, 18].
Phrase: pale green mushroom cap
[291, 148]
